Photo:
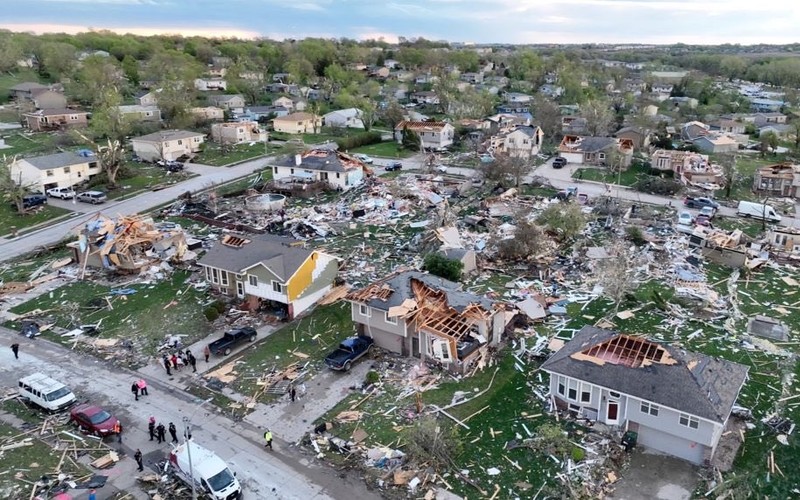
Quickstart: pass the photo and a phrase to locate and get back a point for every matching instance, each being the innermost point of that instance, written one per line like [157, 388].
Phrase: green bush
[578, 454]
[443, 267]
[373, 377]
[636, 235]
[211, 313]
[358, 140]
[219, 306]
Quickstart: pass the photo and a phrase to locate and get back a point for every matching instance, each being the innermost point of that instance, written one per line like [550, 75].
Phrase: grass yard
[145, 177]
[29, 462]
[746, 165]
[388, 149]
[22, 268]
[169, 306]
[30, 144]
[212, 154]
[8, 80]
[314, 335]
[626, 178]
[10, 219]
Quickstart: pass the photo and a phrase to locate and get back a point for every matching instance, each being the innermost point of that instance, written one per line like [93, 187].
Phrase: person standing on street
[15, 350]
[268, 439]
[174, 360]
[135, 390]
[193, 362]
[118, 431]
[173, 432]
[206, 353]
[166, 365]
[142, 386]
[138, 457]
[151, 427]
[92, 494]
[161, 433]
[292, 392]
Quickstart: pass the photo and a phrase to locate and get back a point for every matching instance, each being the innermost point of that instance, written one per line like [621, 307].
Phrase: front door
[612, 412]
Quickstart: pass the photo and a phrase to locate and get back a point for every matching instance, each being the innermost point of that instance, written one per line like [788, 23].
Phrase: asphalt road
[280, 474]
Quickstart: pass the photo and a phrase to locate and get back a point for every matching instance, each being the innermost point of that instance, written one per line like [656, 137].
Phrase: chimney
[298, 160]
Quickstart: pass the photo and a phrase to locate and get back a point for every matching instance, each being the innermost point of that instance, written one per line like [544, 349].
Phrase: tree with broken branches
[528, 241]
[564, 220]
[11, 186]
[434, 442]
[617, 274]
[728, 164]
[110, 156]
[505, 169]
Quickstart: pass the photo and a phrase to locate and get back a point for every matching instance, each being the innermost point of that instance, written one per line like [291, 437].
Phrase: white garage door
[573, 157]
[671, 445]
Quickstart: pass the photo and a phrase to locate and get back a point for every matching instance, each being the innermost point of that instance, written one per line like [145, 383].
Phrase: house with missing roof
[56, 170]
[167, 145]
[421, 315]
[269, 272]
[432, 135]
[55, 119]
[584, 150]
[339, 170]
[523, 142]
[677, 401]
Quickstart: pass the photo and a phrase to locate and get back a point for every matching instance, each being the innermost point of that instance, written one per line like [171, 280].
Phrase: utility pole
[186, 440]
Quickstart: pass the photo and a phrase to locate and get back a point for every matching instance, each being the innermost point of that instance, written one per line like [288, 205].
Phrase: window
[392, 320]
[613, 394]
[277, 287]
[601, 156]
[586, 396]
[180, 142]
[223, 278]
[49, 173]
[689, 421]
[363, 310]
[274, 170]
[252, 280]
[649, 408]
[572, 390]
[214, 275]
[66, 170]
[561, 388]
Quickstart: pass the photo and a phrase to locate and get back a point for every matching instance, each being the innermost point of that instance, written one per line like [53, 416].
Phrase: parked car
[173, 166]
[231, 338]
[64, 193]
[94, 420]
[348, 352]
[559, 162]
[93, 197]
[364, 158]
[685, 218]
[708, 212]
[703, 220]
[32, 200]
[758, 211]
[395, 165]
[700, 202]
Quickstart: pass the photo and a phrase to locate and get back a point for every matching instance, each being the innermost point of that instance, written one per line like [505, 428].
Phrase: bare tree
[111, 157]
[728, 164]
[505, 168]
[617, 274]
[11, 186]
[598, 117]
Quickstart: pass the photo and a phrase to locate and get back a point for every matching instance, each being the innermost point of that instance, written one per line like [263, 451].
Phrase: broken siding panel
[301, 279]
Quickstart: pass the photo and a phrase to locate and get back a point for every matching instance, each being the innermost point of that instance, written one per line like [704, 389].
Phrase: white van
[758, 211]
[45, 392]
[210, 473]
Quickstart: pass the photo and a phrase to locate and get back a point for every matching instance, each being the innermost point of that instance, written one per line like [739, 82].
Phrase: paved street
[283, 473]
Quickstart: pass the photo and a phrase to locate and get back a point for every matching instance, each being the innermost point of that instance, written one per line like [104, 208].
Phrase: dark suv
[395, 165]
[559, 162]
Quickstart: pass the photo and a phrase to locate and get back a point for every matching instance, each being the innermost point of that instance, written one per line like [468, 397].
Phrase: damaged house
[688, 167]
[270, 271]
[337, 169]
[128, 244]
[418, 314]
[584, 150]
[677, 401]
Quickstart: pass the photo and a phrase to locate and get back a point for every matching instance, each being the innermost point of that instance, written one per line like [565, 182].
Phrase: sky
[479, 21]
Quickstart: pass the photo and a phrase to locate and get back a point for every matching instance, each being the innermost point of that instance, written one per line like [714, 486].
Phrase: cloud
[219, 31]
[378, 35]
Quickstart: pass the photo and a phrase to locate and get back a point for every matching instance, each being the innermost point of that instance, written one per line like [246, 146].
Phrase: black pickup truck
[231, 338]
[348, 351]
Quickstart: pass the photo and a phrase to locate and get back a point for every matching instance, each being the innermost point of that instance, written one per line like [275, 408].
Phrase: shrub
[636, 235]
[443, 267]
[362, 139]
[373, 377]
[219, 306]
[578, 454]
[211, 313]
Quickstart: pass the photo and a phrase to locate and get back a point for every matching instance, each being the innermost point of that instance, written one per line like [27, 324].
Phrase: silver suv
[93, 197]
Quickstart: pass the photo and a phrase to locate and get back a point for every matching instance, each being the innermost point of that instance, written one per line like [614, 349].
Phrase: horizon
[501, 22]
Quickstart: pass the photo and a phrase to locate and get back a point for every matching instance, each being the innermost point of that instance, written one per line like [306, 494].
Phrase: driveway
[652, 476]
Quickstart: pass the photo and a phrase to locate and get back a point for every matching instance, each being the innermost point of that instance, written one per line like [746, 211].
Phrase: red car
[94, 420]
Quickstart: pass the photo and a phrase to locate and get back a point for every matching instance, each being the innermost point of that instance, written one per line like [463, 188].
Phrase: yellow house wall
[302, 278]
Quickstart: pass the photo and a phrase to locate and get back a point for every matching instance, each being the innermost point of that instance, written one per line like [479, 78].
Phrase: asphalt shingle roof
[58, 160]
[167, 135]
[697, 384]
[273, 252]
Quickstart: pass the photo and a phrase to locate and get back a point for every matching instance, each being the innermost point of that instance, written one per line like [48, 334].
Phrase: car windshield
[99, 417]
[221, 480]
[56, 395]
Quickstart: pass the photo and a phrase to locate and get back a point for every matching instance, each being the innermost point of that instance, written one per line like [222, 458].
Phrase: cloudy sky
[480, 21]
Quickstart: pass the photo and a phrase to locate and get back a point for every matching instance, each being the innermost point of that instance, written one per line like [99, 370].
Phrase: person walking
[92, 494]
[268, 439]
[292, 392]
[135, 390]
[166, 365]
[174, 361]
[138, 457]
[142, 386]
[173, 432]
[193, 362]
[161, 433]
[206, 353]
[151, 427]
[15, 350]
[118, 431]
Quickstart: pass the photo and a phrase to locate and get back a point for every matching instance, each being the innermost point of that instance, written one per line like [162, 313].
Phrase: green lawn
[212, 154]
[626, 178]
[389, 149]
[8, 80]
[21, 269]
[145, 177]
[30, 144]
[144, 317]
[314, 335]
[10, 219]
[746, 165]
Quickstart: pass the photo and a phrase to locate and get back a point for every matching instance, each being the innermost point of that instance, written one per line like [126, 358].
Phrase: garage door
[573, 157]
[671, 445]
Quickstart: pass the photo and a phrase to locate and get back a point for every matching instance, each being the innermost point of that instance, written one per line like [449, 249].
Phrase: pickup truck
[63, 192]
[230, 339]
[700, 202]
[348, 351]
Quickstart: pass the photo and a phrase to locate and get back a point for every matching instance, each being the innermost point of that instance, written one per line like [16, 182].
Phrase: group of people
[159, 432]
[180, 359]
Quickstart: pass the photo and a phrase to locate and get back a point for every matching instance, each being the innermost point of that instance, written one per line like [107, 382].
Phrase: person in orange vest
[118, 430]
